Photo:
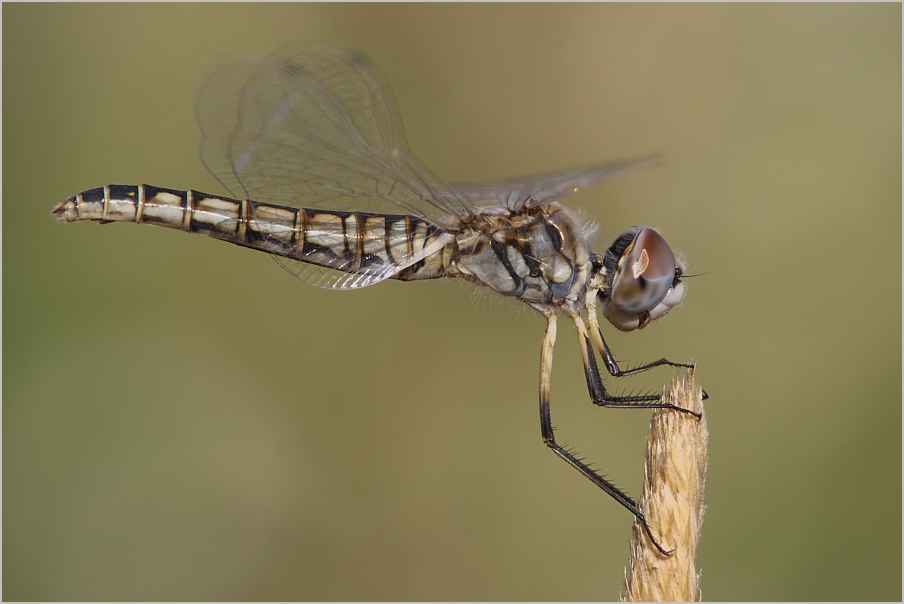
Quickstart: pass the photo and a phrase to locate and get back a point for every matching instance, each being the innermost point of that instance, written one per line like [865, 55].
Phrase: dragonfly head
[643, 279]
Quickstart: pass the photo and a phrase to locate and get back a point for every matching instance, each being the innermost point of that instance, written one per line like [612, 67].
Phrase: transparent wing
[545, 188]
[317, 127]
[336, 278]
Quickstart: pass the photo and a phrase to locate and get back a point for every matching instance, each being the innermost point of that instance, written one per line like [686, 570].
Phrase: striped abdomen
[352, 242]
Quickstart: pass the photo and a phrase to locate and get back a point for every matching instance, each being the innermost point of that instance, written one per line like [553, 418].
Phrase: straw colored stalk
[672, 500]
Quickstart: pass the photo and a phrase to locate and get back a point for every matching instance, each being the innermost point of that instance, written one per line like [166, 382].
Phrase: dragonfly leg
[611, 365]
[598, 393]
[606, 354]
[546, 429]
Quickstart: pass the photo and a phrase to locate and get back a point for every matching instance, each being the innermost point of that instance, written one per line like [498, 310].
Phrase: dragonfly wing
[317, 127]
[543, 189]
[336, 278]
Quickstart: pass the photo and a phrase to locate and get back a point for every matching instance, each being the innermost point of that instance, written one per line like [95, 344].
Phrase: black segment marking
[369, 260]
[123, 192]
[150, 193]
[252, 235]
[93, 195]
[389, 226]
[199, 226]
[346, 250]
[417, 266]
[202, 228]
[410, 225]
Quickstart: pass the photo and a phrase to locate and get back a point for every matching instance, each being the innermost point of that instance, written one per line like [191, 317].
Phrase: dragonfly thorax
[537, 254]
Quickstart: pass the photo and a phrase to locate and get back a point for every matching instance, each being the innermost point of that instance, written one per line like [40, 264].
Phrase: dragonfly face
[311, 145]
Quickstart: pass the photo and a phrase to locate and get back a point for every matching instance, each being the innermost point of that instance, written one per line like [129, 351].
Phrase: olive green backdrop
[183, 420]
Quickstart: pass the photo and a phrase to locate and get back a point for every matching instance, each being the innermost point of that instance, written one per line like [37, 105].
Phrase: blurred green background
[182, 420]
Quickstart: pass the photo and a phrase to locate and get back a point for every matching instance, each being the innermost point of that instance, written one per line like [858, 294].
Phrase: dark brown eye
[646, 281]
[645, 273]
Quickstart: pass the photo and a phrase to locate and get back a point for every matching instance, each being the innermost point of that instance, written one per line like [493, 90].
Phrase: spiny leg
[611, 365]
[549, 342]
[598, 393]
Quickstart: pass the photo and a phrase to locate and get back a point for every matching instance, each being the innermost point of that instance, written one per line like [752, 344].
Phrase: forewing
[542, 189]
[316, 127]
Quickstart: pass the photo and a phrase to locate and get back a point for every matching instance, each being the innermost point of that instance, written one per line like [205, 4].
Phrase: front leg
[598, 393]
[611, 365]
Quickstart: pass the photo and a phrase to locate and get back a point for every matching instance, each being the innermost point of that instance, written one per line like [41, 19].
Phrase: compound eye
[645, 273]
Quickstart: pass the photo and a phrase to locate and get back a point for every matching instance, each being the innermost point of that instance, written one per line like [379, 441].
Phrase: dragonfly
[310, 144]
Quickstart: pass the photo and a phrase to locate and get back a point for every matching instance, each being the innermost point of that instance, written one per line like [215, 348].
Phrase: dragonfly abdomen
[353, 242]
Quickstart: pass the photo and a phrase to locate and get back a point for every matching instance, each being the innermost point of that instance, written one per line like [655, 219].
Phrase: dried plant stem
[673, 502]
